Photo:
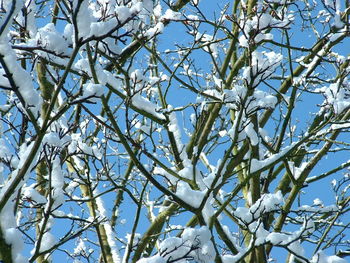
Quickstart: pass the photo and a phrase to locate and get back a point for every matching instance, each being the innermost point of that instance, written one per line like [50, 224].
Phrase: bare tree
[156, 131]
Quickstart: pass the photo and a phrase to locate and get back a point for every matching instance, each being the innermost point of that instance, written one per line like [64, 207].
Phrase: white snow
[157, 29]
[208, 43]
[57, 183]
[257, 165]
[155, 259]
[193, 243]
[22, 79]
[337, 21]
[31, 194]
[170, 15]
[233, 97]
[101, 28]
[324, 209]
[337, 126]
[49, 38]
[123, 13]
[265, 204]
[84, 19]
[47, 242]
[208, 209]
[78, 146]
[336, 96]
[91, 91]
[101, 210]
[335, 4]
[137, 76]
[261, 23]
[234, 258]
[318, 202]
[187, 172]
[80, 248]
[263, 64]
[53, 139]
[188, 195]
[321, 257]
[296, 171]
[251, 133]
[144, 104]
[12, 235]
[218, 82]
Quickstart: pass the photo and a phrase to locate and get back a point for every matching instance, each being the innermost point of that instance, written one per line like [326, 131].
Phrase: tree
[166, 131]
